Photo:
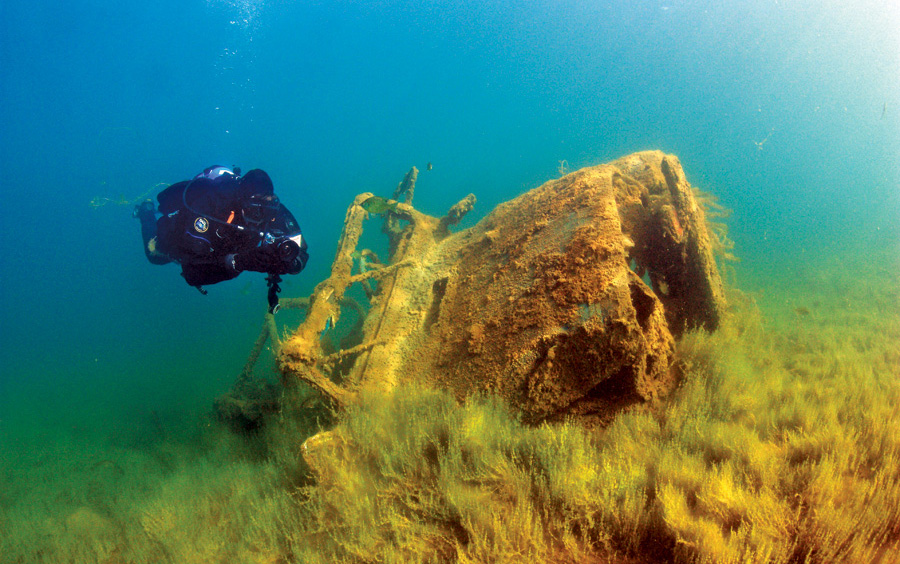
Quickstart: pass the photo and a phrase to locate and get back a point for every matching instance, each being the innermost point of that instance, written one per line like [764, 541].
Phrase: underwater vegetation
[781, 445]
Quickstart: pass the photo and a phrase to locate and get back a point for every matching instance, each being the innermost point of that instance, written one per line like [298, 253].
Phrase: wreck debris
[564, 300]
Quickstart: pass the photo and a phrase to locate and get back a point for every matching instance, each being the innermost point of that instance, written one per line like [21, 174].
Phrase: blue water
[789, 111]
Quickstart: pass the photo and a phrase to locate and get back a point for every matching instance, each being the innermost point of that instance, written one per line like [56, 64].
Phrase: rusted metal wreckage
[565, 300]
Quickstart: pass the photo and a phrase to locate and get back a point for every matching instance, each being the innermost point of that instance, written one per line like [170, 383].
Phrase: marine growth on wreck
[564, 301]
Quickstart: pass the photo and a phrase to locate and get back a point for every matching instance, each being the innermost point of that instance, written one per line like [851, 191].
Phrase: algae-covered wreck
[564, 300]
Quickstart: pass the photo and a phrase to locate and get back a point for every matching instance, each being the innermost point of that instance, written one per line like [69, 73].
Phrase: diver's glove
[144, 210]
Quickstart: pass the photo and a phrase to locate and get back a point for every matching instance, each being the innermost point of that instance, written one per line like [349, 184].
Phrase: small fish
[378, 205]
[429, 166]
[329, 324]
[883, 110]
[361, 259]
[801, 311]
[107, 465]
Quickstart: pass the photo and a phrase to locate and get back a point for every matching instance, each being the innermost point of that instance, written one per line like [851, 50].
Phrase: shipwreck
[565, 301]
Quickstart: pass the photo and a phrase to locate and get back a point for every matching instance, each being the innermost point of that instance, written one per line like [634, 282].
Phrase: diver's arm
[258, 259]
[269, 259]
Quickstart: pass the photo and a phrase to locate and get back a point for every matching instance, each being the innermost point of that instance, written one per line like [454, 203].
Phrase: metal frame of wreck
[301, 355]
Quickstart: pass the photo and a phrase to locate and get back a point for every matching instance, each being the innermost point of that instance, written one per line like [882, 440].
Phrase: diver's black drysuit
[205, 227]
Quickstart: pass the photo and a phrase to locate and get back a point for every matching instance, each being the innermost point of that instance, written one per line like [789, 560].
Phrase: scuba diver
[219, 224]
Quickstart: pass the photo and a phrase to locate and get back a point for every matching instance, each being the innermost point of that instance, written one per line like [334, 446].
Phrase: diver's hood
[255, 183]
